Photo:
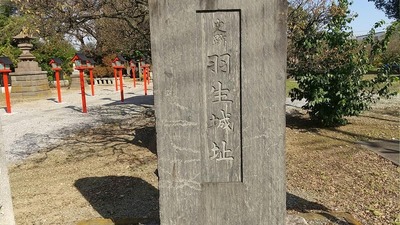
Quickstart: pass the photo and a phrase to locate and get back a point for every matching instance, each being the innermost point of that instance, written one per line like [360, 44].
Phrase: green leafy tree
[392, 54]
[10, 25]
[12, 22]
[329, 69]
[46, 49]
[113, 26]
[304, 17]
[390, 7]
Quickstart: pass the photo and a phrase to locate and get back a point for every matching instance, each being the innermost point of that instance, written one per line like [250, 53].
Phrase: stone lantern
[119, 61]
[56, 66]
[132, 65]
[5, 64]
[79, 61]
[115, 75]
[90, 66]
[28, 80]
[5, 68]
[55, 63]
[119, 64]
[90, 63]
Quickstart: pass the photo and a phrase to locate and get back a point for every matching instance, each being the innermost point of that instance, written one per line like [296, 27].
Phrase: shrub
[330, 69]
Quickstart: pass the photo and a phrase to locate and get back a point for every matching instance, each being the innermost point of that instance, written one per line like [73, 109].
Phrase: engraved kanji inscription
[220, 94]
[220, 153]
[219, 32]
[220, 63]
[213, 63]
[222, 120]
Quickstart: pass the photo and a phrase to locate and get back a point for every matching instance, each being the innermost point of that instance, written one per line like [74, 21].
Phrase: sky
[368, 15]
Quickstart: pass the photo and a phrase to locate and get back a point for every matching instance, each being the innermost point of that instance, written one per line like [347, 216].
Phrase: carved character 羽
[219, 63]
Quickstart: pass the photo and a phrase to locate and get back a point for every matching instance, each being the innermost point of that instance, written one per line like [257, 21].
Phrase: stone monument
[28, 80]
[6, 207]
[75, 83]
[219, 87]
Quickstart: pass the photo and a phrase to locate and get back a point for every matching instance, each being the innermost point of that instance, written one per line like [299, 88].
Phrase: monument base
[29, 85]
[75, 81]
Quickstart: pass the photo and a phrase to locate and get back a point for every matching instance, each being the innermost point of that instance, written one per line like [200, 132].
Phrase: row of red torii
[82, 63]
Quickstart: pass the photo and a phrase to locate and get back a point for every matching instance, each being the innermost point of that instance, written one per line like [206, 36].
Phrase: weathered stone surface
[63, 83]
[28, 77]
[6, 207]
[223, 103]
[134, 221]
[27, 66]
[219, 85]
[21, 78]
[342, 218]
[75, 81]
[295, 220]
[29, 84]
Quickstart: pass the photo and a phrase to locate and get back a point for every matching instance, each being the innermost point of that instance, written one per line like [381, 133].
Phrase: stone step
[132, 221]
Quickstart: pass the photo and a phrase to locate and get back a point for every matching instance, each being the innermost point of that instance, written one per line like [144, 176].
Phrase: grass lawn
[290, 84]
[394, 87]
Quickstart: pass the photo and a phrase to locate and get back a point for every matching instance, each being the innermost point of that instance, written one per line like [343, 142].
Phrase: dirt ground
[109, 171]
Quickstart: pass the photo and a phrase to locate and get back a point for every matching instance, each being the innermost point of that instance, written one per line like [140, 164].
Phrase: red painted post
[116, 79]
[58, 85]
[148, 75]
[145, 80]
[134, 75]
[8, 102]
[91, 80]
[84, 110]
[140, 68]
[121, 83]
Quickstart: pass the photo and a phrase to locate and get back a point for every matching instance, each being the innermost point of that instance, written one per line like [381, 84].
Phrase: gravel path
[36, 124]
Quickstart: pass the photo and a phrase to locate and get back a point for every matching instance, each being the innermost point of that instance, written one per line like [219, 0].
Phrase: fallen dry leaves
[327, 170]
[330, 167]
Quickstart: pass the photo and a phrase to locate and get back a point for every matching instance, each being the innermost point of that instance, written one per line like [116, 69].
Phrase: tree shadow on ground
[298, 120]
[74, 108]
[140, 100]
[301, 205]
[377, 118]
[296, 203]
[388, 111]
[130, 107]
[109, 136]
[146, 137]
[120, 197]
